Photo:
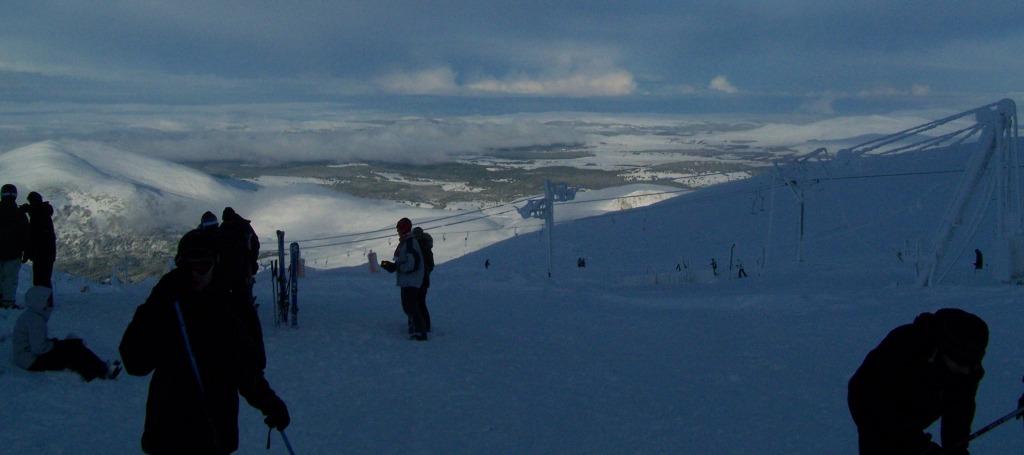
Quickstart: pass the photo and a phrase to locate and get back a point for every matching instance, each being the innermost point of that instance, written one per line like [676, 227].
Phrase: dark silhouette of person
[979, 260]
[426, 243]
[13, 243]
[42, 245]
[714, 267]
[239, 250]
[196, 338]
[487, 263]
[920, 373]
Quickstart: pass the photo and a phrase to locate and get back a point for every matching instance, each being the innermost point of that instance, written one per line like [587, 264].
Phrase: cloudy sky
[786, 55]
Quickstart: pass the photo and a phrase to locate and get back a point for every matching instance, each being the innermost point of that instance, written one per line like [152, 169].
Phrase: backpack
[426, 246]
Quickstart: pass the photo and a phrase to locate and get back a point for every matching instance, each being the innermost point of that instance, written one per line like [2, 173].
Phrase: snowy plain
[627, 355]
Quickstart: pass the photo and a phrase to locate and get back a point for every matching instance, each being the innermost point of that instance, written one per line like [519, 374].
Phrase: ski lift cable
[885, 140]
[422, 222]
[934, 141]
[347, 252]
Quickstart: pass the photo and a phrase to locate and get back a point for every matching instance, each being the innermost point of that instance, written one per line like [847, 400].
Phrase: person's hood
[36, 299]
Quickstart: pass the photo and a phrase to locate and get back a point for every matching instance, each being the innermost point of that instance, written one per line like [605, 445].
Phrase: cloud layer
[262, 51]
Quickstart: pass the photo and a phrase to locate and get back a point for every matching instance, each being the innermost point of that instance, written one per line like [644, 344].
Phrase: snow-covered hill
[123, 212]
[628, 354]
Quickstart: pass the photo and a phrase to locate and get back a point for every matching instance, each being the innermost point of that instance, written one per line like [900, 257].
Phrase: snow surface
[627, 355]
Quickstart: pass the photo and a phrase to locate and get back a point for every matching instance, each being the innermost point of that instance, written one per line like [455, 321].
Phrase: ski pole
[985, 429]
[287, 444]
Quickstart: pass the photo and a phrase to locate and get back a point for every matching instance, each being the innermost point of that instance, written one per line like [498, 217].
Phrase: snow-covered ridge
[120, 210]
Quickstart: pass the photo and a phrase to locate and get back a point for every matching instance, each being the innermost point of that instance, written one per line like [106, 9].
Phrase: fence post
[293, 278]
[282, 284]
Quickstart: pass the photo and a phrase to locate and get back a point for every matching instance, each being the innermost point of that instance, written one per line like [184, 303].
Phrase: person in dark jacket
[42, 247]
[13, 242]
[195, 337]
[919, 373]
[239, 252]
[426, 244]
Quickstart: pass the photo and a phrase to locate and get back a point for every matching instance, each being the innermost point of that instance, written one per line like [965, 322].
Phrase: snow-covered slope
[625, 355]
[124, 212]
[114, 210]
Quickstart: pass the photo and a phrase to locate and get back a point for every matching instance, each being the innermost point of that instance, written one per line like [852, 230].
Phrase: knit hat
[35, 198]
[404, 226]
[196, 246]
[208, 221]
[9, 190]
[961, 335]
[228, 213]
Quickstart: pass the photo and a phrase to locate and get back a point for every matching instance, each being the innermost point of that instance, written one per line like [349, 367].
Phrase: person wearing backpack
[239, 252]
[14, 239]
[426, 243]
[408, 269]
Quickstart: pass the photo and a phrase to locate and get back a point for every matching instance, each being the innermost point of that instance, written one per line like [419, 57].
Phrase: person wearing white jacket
[34, 350]
[408, 267]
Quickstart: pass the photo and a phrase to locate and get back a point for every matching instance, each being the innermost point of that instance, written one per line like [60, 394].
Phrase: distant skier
[196, 339]
[581, 263]
[920, 372]
[741, 272]
[408, 269]
[239, 252]
[979, 261]
[34, 350]
[42, 247]
[487, 263]
[14, 238]
[714, 267]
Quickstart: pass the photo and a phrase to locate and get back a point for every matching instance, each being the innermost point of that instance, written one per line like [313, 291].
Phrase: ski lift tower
[994, 162]
[545, 208]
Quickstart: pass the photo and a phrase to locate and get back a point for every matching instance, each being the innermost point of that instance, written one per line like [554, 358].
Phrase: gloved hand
[277, 414]
[388, 265]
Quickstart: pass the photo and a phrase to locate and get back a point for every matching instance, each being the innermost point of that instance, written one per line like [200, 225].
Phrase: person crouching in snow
[408, 270]
[34, 350]
[919, 373]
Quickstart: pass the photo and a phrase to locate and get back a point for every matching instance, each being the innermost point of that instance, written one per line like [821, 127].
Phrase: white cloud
[434, 81]
[820, 105]
[721, 84]
[886, 91]
[615, 83]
